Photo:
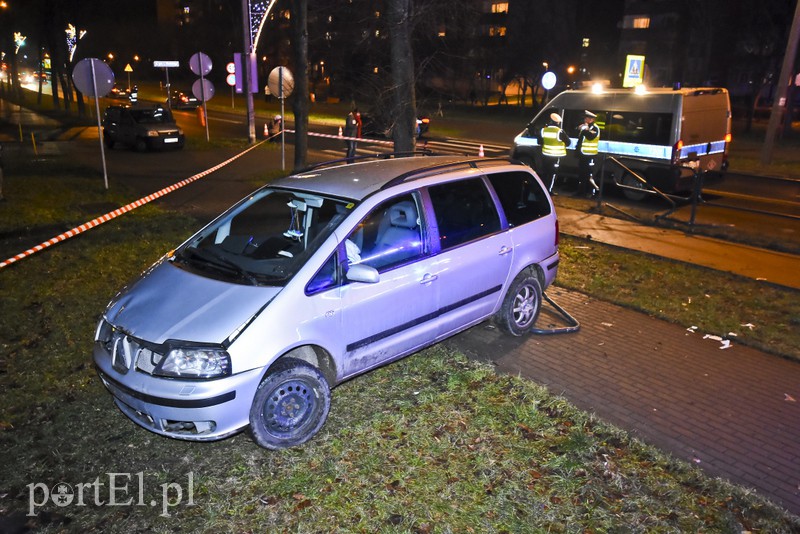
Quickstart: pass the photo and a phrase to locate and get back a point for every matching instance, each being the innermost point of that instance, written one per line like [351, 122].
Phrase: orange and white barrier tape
[125, 209]
[342, 138]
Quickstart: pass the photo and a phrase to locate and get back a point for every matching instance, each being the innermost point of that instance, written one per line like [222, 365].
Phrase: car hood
[170, 303]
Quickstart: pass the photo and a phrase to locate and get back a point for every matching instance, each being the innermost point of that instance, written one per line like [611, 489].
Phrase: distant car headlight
[195, 362]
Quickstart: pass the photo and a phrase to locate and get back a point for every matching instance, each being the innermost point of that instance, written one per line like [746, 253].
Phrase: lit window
[186, 10]
[585, 42]
[442, 31]
[497, 31]
[637, 22]
[500, 7]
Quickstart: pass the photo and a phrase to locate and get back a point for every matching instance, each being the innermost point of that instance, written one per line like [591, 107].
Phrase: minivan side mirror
[363, 273]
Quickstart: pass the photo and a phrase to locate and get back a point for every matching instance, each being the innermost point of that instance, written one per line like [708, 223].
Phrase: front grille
[127, 351]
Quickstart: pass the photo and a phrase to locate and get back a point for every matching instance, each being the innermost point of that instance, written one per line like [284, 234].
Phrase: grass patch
[685, 294]
[433, 443]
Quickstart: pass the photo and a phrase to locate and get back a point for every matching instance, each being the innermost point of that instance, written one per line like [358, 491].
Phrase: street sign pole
[205, 108]
[283, 121]
[85, 76]
[99, 129]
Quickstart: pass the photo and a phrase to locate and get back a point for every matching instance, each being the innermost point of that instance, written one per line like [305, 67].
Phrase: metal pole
[283, 119]
[203, 93]
[248, 49]
[169, 93]
[99, 130]
[779, 104]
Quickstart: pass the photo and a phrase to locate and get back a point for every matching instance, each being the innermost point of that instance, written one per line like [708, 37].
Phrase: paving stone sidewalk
[732, 412]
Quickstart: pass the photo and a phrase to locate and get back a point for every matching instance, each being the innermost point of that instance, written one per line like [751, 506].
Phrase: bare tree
[300, 103]
[402, 61]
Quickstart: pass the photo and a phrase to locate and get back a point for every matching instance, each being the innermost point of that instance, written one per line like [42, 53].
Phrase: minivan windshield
[265, 239]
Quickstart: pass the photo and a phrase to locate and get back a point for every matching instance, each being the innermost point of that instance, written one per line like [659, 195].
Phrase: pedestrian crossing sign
[634, 71]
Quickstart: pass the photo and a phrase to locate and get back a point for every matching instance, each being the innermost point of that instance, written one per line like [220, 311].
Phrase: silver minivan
[316, 278]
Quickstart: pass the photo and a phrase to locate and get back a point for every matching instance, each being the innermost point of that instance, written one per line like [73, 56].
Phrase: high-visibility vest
[552, 146]
[589, 146]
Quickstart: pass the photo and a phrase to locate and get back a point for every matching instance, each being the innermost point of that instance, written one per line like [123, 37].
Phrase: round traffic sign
[93, 77]
[230, 67]
[200, 64]
[549, 80]
[231, 79]
[280, 82]
[203, 90]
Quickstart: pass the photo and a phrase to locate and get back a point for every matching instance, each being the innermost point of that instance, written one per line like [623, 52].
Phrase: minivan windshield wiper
[209, 256]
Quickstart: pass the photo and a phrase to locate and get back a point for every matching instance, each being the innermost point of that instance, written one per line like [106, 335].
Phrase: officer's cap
[555, 117]
[590, 114]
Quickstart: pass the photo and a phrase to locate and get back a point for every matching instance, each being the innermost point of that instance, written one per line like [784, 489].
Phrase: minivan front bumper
[195, 410]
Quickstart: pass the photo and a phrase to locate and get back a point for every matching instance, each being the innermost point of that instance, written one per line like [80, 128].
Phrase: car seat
[399, 235]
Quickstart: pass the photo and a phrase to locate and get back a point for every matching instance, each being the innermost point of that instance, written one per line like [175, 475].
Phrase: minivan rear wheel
[290, 405]
[521, 305]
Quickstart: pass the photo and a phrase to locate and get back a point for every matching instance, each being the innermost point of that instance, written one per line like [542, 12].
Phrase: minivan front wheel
[521, 305]
[290, 405]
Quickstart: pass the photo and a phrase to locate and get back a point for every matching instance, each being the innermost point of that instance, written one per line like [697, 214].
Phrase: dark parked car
[119, 93]
[181, 100]
[144, 128]
[379, 125]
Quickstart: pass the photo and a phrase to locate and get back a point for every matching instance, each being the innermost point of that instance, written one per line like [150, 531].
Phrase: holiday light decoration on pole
[19, 41]
[73, 36]
[258, 15]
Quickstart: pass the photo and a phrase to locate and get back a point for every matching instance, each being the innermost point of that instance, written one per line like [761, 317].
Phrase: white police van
[655, 133]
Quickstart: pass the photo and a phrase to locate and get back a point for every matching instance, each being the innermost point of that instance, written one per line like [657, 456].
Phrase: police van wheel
[630, 182]
[290, 405]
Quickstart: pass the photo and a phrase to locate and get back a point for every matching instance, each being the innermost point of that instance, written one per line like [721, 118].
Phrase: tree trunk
[300, 103]
[404, 98]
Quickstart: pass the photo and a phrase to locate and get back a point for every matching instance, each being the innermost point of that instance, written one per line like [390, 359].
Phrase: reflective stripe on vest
[551, 145]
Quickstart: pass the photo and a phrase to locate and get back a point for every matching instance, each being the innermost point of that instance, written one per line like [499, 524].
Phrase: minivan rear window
[521, 196]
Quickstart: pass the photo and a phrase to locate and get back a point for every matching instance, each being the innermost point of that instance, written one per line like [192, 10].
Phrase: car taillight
[676, 151]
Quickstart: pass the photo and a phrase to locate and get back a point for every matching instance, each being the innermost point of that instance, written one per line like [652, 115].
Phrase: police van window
[464, 211]
[637, 127]
[574, 119]
[521, 196]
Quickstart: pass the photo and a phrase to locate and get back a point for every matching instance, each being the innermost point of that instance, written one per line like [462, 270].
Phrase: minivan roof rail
[427, 171]
[365, 157]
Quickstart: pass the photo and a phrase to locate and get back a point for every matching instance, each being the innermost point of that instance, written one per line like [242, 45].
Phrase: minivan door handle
[428, 278]
[504, 250]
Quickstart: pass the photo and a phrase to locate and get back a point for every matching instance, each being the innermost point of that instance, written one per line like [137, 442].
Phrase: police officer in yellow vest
[588, 141]
[553, 141]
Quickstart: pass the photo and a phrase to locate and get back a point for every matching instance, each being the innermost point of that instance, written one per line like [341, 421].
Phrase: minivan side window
[389, 236]
[325, 278]
[522, 198]
[464, 211]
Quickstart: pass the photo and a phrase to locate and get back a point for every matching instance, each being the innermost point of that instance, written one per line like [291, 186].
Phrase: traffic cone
[266, 130]
[340, 131]
[480, 152]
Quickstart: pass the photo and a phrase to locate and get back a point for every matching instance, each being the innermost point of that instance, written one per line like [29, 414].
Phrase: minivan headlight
[195, 362]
